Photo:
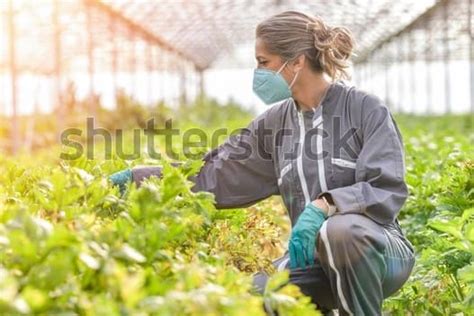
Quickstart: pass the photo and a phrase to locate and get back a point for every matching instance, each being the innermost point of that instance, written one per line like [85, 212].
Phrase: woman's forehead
[261, 50]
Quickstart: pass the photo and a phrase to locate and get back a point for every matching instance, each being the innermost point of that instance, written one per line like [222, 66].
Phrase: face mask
[270, 86]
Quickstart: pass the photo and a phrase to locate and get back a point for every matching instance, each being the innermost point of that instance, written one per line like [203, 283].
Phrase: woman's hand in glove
[302, 242]
[121, 178]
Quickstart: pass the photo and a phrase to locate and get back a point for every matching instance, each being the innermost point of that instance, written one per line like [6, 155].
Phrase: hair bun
[333, 45]
[323, 34]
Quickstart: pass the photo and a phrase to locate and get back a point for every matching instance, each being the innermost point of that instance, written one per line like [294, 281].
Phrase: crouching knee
[349, 235]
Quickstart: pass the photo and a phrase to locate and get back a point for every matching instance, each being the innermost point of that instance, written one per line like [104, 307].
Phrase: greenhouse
[236, 157]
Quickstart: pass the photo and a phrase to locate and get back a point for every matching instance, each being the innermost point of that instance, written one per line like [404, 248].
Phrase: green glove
[121, 178]
[303, 236]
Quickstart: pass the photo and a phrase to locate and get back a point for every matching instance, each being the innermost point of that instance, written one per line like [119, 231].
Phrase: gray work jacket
[353, 151]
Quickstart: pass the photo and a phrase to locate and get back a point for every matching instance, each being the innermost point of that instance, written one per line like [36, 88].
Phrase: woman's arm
[380, 189]
[238, 172]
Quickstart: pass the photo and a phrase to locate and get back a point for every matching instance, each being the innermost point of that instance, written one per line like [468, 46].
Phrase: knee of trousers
[350, 235]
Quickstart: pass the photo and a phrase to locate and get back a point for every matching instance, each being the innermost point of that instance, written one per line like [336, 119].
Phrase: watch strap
[331, 208]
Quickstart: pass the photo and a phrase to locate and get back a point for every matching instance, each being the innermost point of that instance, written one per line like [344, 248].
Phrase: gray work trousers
[358, 263]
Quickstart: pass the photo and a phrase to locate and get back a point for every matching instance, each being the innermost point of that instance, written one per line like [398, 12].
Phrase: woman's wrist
[319, 203]
[329, 203]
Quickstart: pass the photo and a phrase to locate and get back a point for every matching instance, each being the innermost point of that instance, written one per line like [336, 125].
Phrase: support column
[370, 73]
[362, 74]
[90, 58]
[446, 59]
[201, 84]
[428, 58]
[14, 132]
[354, 75]
[149, 67]
[366, 75]
[412, 70]
[166, 77]
[182, 84]
[401, 90]
[114, 56]
[162, 72]
[386, 62]
[133, 65]
[471, 51]
[57, 66]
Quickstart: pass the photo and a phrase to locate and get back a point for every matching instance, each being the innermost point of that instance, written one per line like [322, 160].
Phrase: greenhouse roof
[204, 29]
[198, 31]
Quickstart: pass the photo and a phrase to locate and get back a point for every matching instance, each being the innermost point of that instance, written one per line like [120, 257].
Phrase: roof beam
[140, 30]
[363, 57]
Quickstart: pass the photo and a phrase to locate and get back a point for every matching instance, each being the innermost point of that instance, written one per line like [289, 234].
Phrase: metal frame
[193, 35]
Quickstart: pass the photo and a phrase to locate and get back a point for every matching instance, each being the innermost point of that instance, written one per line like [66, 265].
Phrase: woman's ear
[299, 62]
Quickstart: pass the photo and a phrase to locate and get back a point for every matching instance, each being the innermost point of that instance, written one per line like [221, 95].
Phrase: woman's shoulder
[361, 102]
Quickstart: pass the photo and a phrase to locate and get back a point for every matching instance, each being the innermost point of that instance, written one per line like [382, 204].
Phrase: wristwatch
[331, 208]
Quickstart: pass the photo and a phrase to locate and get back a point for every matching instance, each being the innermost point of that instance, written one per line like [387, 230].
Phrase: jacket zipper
[319, 148]
[299, 160]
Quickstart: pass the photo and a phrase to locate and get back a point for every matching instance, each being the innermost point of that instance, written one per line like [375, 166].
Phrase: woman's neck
[310, 91]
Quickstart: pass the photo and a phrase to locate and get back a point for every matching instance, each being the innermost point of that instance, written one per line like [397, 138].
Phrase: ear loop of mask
[283, 66]
[296, 76]
[294, 79]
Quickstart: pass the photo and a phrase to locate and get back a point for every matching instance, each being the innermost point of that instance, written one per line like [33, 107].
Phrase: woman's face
[265, 60]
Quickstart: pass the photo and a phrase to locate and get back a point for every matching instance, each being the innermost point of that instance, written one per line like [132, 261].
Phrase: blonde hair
[291, 33]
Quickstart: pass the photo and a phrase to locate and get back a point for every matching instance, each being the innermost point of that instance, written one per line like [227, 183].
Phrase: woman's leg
[358, 263]
[400, 260]
[312, 282]
[363, 262]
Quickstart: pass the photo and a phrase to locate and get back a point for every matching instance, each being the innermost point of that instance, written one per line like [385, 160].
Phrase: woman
[334, 154]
